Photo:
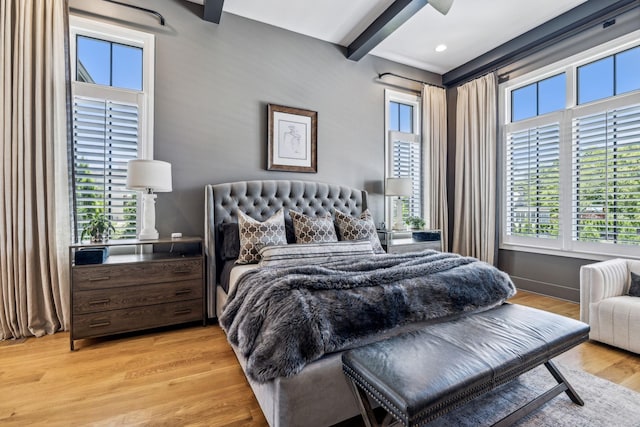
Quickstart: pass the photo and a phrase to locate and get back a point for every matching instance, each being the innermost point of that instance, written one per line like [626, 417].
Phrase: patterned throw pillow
[634, 289]
[362, 228]
[308, 229]
[313, 253]
[254, 235]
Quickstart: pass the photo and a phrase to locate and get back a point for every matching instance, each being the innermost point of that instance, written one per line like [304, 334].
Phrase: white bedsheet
[234, 275]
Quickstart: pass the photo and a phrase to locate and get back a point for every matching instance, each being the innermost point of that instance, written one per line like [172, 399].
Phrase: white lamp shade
[149, 174]
[401, 187]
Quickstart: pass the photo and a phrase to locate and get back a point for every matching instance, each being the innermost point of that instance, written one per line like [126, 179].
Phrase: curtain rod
[409, 78]
[153, 12]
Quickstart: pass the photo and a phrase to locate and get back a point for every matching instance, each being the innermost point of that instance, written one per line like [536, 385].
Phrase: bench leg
[366, 411]
[563, 385]
[573, 395]
[363, 404]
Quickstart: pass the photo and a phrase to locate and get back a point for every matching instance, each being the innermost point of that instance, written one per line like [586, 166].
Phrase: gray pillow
[230, 244]
[634, 289]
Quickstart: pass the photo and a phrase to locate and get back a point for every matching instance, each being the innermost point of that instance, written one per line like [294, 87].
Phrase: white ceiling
[471, 28]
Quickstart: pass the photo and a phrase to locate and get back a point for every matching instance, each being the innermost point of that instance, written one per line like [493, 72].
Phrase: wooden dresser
[142, 284]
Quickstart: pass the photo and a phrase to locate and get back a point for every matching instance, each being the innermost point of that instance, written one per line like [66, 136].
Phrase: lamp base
[398, 225]
[148, 231]
[148, 235]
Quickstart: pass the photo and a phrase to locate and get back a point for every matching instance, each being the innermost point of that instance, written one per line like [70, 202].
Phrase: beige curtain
[434, 108]
[474, 222]
[34, 213]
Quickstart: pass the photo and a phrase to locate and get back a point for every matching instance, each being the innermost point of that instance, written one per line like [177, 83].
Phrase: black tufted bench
[419, 376]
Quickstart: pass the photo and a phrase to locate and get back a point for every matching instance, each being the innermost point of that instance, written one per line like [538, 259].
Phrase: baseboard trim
[549, 289]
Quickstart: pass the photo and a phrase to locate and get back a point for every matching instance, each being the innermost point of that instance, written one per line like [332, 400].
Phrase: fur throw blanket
[282, 318]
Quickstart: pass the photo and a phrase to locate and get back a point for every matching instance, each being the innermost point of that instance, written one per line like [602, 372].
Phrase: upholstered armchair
[613, 315]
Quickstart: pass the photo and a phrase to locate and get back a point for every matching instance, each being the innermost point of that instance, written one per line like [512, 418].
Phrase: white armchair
[614, 316]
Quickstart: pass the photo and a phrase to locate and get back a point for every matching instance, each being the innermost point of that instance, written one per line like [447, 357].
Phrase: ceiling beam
[585, 15]
[213, 10]
[397, 14]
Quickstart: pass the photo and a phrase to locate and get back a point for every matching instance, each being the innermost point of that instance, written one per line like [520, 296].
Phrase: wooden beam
[575, 20]
[385, 24]
[213, 10]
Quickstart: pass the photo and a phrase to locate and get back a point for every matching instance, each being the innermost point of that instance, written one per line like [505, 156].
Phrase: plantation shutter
[105, 138]
[406, 163]
[606, 177]
[533, 182]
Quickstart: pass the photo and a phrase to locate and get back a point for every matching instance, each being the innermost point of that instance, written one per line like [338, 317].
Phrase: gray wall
[546, 274]
[213, 84]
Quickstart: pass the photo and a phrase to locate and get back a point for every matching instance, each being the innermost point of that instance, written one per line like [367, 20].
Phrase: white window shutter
[606, 177]
[533, 182]
[105, 138]
[407, 163]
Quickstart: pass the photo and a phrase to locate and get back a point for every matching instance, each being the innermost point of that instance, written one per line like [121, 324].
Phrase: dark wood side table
[142, 284]
[402, 241]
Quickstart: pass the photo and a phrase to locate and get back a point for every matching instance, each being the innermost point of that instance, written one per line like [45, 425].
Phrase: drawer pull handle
[182, 311]
[96, 279]
[185, 271]
[183, 292]
[100, 324]
[100, 301]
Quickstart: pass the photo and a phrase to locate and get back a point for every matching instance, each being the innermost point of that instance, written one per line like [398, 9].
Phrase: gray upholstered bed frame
[319, 395]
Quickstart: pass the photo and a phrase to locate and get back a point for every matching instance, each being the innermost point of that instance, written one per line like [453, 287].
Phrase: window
[571, 158]
[544, 96]
[112, 120]
[401, 117]
[108, 63]
[404, 148]
[609, 76]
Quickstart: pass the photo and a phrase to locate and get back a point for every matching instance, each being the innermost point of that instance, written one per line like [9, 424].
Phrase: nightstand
[403, 241]
[142, 284]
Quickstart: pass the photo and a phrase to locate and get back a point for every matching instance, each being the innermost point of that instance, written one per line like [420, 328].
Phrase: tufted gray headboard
[260, 200]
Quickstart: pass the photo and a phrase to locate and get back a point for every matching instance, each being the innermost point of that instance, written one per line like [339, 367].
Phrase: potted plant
[98, 227]
[415, 222]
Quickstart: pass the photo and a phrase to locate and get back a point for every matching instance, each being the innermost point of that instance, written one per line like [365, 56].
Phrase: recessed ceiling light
[441, 48]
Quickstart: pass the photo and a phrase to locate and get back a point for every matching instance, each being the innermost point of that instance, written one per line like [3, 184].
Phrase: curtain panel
[434, 110]
[474, 221]
[34, 213]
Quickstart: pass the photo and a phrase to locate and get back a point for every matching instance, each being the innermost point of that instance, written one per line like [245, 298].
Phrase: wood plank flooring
[184, 376]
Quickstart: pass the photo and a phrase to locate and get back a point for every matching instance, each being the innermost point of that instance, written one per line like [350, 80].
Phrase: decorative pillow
[634, 289]
[313, 253]
[230, 245]
[351, 228]
[318, 229]
[254, 235]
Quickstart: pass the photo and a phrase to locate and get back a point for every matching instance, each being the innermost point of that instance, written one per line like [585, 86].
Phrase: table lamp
[149, 176]
[398, 187]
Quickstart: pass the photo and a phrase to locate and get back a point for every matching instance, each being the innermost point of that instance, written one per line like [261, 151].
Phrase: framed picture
[292, 139]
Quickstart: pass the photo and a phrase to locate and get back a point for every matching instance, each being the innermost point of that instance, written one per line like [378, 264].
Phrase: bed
[318, 395]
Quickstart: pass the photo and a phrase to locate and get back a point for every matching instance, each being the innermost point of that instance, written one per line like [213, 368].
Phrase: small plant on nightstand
[415, 222]
[98, 227]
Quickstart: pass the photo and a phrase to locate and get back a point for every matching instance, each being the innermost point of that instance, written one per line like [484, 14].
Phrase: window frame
[564, 245]
[416, 102]
[144, 98]
[114, 33]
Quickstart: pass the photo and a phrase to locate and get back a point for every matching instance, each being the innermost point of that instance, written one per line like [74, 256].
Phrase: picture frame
[292, 141]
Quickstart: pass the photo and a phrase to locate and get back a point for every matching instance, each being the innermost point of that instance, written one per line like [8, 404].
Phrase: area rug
[606, 404]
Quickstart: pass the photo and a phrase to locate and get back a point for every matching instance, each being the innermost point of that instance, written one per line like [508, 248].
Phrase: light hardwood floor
[186, 376]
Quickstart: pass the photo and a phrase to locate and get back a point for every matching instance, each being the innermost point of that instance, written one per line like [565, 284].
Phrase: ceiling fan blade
[441, 6]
